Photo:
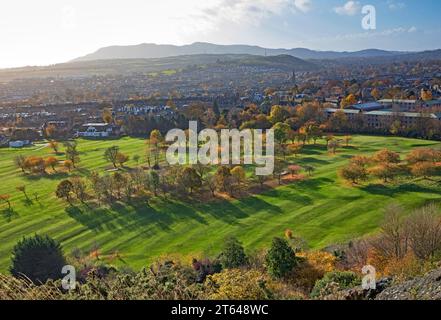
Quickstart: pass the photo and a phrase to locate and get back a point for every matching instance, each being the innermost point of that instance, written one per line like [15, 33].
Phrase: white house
[95, 130]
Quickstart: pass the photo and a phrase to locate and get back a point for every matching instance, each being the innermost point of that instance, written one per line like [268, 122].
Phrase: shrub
[39, 258]
[236, 284]
[233, 255]
[335, 281]
[280, 259]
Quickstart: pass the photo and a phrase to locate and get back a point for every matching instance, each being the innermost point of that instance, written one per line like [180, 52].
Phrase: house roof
[95, 125]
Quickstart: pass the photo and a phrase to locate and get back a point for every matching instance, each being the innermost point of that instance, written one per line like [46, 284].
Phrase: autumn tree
[68, 165]
[6, 199]
[51, 162]
[79, 188]
[189, 179]
[64, 191]
[122, 158]
[22, 189]
[239, 176]
[54, 146]
[72, 152]
[111, 155]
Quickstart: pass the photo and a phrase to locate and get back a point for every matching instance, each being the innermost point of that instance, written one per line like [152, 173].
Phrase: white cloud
[412, 29]
[350, 8]
[303, 5]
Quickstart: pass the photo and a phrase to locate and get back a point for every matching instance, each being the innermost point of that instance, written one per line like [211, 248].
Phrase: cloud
[303, 5]
[350, 8]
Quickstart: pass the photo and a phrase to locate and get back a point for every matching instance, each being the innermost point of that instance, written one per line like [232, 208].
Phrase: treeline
[387, 165]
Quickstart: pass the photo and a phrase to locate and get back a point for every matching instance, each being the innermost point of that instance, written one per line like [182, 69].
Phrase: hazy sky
[51, 31]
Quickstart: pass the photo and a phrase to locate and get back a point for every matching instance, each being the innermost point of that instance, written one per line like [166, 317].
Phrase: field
[323, 209]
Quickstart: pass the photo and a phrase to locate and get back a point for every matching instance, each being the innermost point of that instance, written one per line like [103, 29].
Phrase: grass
[323, 209]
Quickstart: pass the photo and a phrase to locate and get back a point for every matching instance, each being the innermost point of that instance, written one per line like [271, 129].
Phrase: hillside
[321, 209]
[149, 50]
[146, 66]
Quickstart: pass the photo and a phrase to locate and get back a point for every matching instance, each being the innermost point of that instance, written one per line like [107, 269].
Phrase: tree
[386, 156]
[64, 190]
[211, 183]
[190, 179]
[426, 95]
[354, 173]
[281, 131]
[107, 116]
[154, 181]
[294, 169]
[68, 165]
[347, 140]
[385, 171]
[51, 162]
[20, 162]
[223, 178]
[280, 259]
[261, 180]
[22, 188]
[39, 258]
[295, 148]
[309, 169]
[424, 227]
[376, 94]
[122, 158]
[6, 199]
[423, 169]
[328, 139]
[277, 114]
[54, 146]
[136, 158]
[279, 168]
[72, 153]
[111, 155]
[350, 100]
[233, 254]
[155, 141]
[333, 145]
[238, 175]
[79, 188]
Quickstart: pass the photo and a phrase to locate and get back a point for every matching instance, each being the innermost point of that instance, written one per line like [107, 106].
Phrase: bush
[39, 258]
[280, 259]
[335, 281]
[233, 255]
[236, 284]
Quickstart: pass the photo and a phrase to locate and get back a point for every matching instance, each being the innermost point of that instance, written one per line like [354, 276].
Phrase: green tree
[233, 254]
[280, 259]
[39, 258]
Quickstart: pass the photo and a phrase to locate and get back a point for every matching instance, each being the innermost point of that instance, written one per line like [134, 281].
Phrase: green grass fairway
[323, 209]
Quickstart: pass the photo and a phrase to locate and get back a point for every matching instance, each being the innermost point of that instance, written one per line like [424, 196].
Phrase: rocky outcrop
[427, 287]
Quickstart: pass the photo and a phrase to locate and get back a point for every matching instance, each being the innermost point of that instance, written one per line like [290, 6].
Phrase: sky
[52, 31]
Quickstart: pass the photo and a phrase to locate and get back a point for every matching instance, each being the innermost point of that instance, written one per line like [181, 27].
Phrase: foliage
[339, 280]
[38, 258]
[280, 259]
[233, 254]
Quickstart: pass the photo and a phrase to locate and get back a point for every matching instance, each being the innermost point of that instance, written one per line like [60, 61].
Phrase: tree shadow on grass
[311, 160]
[390, 191]
[53, 176]
[9, 214]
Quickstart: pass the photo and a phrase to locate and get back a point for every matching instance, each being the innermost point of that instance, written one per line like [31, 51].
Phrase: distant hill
[130, 66]
[149, 50]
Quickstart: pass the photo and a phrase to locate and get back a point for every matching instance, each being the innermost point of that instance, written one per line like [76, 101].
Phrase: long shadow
[9, 214]
[311, 160]
[390, 191]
